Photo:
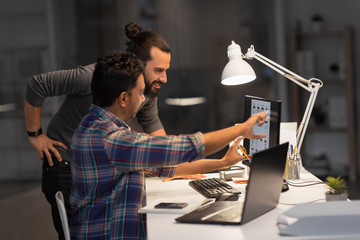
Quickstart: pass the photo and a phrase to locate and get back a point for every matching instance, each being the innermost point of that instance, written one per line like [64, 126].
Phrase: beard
[150, 91]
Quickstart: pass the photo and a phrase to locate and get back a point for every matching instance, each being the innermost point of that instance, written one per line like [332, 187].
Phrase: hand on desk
[194, 176]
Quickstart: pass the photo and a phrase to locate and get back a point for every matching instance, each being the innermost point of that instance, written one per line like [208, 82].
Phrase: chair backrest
[61, 206]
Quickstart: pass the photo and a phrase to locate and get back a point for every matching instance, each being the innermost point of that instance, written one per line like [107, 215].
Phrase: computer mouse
[227, 197]
[285, 186]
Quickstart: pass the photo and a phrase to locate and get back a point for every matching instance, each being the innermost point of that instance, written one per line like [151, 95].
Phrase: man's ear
[123, 99]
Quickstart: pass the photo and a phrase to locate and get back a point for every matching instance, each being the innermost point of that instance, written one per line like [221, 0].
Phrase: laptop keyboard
[212, 187]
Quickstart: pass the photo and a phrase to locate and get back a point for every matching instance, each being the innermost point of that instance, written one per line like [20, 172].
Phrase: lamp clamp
[250, 53]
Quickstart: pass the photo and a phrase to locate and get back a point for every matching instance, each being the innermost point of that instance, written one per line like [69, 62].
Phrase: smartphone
[171, 205]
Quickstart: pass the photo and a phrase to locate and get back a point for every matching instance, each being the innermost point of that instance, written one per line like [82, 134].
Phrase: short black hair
[141, 42]
[116, 72]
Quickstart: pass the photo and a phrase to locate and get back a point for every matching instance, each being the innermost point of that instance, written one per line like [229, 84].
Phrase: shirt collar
[106, 116]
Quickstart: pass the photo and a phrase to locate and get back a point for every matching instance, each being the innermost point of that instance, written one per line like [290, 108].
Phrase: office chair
[64, 221]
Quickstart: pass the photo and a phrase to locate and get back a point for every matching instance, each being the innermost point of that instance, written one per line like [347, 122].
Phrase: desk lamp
[237, 71]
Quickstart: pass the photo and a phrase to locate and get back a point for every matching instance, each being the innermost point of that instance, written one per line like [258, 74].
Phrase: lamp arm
[312, 85]
[300, 134]
[278, 68]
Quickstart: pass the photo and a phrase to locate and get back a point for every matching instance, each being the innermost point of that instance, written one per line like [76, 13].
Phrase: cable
[304, 184]
[316, 200]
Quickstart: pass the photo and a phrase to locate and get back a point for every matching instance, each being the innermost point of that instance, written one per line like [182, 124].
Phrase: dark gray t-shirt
[75, 84]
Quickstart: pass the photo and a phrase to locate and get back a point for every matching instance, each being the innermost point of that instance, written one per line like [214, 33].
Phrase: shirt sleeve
[161, 172]
[130, 151]
[148, 116]
[58, 83]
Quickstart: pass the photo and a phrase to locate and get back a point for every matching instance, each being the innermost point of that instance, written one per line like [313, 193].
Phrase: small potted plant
[337, 189]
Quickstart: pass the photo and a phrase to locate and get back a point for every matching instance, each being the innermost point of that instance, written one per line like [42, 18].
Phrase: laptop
[262, 192]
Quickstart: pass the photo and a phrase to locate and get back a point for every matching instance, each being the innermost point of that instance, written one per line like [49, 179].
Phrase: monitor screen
[271, 127]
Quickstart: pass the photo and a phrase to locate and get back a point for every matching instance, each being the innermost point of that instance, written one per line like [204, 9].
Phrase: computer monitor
[271, 127]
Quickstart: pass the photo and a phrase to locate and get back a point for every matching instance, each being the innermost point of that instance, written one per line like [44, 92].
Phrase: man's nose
[163, 77]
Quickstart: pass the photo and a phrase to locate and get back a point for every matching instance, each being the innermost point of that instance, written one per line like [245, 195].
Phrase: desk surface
[163, 225]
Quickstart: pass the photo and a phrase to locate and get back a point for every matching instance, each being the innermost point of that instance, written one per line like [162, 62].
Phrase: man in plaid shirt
[109, 159]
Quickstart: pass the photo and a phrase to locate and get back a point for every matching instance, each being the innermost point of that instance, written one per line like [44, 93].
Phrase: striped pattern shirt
[108, 165]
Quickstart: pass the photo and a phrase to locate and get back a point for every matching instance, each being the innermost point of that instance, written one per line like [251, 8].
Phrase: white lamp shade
[236, 71]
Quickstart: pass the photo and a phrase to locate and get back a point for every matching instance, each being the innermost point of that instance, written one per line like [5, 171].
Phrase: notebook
[262, 192]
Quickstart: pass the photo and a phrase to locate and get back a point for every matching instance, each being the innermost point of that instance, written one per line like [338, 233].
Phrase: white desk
[163, 225]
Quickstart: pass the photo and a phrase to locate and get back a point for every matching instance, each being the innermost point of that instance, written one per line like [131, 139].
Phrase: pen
[243, 152]
[293, 153]
[240, 181]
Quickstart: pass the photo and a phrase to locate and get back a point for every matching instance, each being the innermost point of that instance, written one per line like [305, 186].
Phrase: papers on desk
[338, 218]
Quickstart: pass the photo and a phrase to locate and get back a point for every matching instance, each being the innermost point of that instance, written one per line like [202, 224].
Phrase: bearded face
[155, 71]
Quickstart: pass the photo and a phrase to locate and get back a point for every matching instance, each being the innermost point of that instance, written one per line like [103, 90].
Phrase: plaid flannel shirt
[108, 165]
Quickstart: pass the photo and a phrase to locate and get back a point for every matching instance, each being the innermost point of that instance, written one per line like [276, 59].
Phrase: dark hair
[141, 42]
[116, 72]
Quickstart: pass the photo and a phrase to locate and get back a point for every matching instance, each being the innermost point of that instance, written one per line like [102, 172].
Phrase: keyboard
[212, 187]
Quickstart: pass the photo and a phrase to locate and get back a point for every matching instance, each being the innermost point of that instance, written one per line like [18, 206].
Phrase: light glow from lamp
[185, 101]
[7, 107]
[236, 71]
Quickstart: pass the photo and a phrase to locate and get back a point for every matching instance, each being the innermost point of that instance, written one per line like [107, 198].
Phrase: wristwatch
[35, 133]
